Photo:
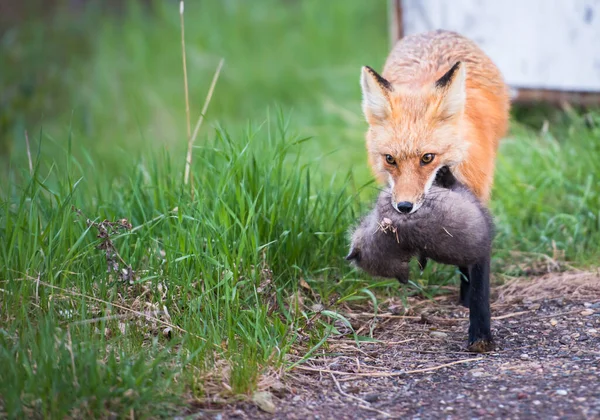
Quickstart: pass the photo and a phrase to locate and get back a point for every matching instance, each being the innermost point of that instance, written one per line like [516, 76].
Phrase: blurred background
[544, 45]
[103, 81]
[110, 72]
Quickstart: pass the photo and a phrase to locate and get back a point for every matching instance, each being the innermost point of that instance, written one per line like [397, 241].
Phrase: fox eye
[390, 159]
[427, 158]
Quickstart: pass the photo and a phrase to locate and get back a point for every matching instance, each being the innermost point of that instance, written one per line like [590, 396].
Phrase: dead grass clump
[106, 230]
[576, 285]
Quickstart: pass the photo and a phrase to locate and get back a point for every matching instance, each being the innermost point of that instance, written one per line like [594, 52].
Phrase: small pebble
[438, 334]
[537, 402]
[397, 309]
[587, 312]
[561, 392]
[553, 322]
[524, 356]
[521, 396]
[565, 339]
[317, 307]
[371, 397]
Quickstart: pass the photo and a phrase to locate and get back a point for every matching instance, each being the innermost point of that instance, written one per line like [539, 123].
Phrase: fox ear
[375, 92]
[452, 87]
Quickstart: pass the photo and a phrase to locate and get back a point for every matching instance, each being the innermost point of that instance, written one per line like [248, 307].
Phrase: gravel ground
[546, 365]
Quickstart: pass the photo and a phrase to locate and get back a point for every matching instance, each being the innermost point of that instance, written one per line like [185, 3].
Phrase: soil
[546, 364]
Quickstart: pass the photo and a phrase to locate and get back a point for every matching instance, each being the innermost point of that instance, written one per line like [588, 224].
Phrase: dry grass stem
[70, 348]
[185, 78]
[149, 315]
[29, 153]
[192, 138]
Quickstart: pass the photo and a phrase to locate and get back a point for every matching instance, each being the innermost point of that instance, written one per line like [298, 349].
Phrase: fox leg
[480, 335]
[464, 286]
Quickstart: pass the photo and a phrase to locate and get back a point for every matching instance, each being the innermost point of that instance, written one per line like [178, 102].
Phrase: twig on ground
[365, 405]
[348, 346]
[428, 319]
[511, 315]
[434, 320]
[376, 341]
[438, 320]
[370, 315]
[389, 374]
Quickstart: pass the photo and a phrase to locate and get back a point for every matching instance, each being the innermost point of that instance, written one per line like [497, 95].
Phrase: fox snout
[408, 192]
[404, 206]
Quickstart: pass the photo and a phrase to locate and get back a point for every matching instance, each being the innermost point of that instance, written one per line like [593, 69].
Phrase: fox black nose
[404, 207]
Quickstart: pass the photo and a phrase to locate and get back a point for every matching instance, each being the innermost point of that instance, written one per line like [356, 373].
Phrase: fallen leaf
[304, 284]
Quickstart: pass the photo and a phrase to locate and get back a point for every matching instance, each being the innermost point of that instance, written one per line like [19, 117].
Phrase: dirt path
[547, 364]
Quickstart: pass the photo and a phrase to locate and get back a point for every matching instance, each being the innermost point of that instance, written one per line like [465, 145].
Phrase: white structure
[537, 44]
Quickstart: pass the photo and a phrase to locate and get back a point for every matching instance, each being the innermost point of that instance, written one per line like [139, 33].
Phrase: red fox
[452, 227]
[440, 101]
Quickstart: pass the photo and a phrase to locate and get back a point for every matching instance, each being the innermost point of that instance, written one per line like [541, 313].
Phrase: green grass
[258, 221]
[270, 206]
[546, 199]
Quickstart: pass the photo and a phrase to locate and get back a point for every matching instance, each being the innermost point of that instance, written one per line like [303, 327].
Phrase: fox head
[414, 130]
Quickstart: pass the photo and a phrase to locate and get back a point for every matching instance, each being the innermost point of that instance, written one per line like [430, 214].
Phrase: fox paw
[481, 346]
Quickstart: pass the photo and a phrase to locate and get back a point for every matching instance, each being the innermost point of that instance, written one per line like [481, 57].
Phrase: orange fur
[460, 122]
